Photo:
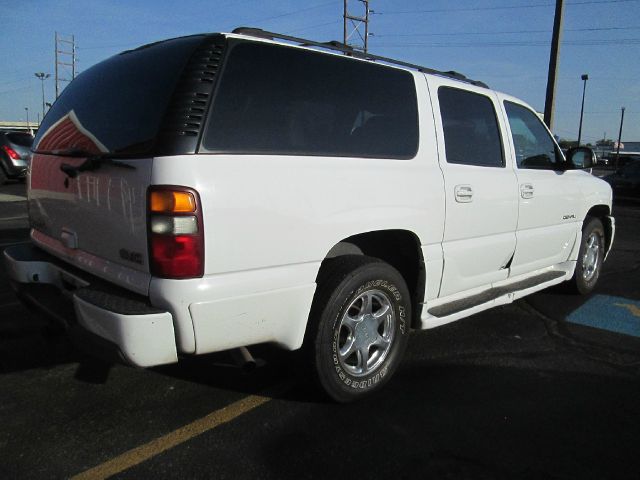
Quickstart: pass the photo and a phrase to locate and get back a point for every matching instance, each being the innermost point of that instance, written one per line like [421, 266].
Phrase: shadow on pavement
[538, 420]
[544, 423]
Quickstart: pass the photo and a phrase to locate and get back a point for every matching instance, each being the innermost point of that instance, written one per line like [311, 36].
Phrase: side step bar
[491, 294]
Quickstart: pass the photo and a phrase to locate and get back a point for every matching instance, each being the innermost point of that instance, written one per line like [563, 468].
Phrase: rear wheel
[359, 326]
[590, 257]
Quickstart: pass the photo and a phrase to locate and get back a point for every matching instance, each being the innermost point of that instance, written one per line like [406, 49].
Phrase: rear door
[480, 186]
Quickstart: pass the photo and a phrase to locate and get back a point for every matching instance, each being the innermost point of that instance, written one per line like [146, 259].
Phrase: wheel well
[602, 212]
[400, 249]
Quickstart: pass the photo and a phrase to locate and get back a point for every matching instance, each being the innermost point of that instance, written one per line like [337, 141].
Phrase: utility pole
[355, 22]
[553, 63]
[65, 54]
[584, 77]
[619, 138]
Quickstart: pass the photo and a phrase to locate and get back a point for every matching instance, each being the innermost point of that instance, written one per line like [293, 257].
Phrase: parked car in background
[15, 154]
[625, 182]
[623, 159]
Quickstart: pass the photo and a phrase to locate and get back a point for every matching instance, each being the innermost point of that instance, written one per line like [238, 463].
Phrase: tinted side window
[282, 100]
[534, 146]
[471, 132]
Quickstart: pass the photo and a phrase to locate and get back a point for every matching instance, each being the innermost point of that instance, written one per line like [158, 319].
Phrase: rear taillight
[11, 152]
[176, 234]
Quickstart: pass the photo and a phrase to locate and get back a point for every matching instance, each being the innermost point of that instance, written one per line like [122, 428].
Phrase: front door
[549, 195]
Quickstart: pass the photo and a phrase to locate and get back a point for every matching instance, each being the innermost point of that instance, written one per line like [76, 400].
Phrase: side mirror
[581, 158]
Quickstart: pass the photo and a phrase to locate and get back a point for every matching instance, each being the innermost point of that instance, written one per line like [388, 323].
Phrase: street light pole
[619, 138]
[584, 77]
[27, 110]
[42, 77]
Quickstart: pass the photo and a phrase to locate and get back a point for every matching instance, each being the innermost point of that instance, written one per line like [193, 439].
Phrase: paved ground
[522, 391]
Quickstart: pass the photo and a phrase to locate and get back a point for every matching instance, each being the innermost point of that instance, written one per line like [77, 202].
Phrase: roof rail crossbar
[341, 47]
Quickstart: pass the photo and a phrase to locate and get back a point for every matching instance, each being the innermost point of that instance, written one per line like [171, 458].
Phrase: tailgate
[96, 220]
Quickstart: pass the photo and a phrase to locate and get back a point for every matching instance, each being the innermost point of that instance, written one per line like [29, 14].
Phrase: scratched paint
[616, 314]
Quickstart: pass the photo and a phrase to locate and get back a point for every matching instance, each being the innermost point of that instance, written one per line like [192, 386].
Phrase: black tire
[362, 302]
[3, 176]
[590, 257]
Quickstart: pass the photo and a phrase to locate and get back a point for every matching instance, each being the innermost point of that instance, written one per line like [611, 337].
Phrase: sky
[504, 43]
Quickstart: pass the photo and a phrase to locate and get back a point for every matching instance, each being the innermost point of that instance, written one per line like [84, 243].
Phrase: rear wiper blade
[74, 152]
[93, 162]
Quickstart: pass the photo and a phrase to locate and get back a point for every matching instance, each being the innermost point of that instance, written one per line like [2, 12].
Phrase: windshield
[117, 105]
[22, 139]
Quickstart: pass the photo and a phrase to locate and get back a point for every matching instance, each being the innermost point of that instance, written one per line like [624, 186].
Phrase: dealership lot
[548, 387]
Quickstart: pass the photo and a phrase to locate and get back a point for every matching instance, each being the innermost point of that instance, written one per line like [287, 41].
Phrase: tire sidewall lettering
[375, 377]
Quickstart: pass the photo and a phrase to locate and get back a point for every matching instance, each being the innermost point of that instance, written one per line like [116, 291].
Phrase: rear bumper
[104, 320]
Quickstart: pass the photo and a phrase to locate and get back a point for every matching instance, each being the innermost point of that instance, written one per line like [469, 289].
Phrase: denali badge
[134, 257]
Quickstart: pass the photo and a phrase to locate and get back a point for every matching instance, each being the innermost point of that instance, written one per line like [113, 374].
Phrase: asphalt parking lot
[548, 387]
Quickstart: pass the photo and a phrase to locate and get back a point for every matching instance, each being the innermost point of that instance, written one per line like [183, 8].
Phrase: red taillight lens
[11, 152]
[176, 235]
[176, 256]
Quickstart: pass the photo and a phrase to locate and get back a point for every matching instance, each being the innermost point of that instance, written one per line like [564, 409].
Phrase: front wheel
[359, 326]
[590, 257]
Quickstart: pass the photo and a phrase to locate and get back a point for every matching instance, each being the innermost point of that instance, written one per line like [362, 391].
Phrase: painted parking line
[616, 314]
[155, 447]
[5, 197]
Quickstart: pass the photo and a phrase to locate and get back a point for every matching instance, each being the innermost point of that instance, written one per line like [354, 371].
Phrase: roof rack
[341, 47]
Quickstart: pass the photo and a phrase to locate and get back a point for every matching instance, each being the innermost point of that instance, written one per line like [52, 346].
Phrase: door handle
[463, 193]
[526, 190]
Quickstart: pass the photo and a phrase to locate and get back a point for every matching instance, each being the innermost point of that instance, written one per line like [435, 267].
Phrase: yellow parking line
[144, 452]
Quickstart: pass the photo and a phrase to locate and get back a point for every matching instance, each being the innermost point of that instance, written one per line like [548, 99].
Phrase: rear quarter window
[281, 100]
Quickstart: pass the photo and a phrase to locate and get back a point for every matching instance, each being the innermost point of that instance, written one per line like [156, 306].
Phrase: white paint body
[269, 222]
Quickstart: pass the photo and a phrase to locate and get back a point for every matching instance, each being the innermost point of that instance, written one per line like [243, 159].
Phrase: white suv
[212, 192]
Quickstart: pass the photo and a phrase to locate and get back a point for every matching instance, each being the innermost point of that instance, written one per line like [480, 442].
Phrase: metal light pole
[26, 109]
[584, 77]
[42, 77]
[619, 138]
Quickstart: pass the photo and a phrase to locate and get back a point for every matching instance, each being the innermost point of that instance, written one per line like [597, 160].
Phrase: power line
[531, 43]
[311, 27]
[295, 12]
[503, 7]
[15, 90]
[458, 34]
[119, 45]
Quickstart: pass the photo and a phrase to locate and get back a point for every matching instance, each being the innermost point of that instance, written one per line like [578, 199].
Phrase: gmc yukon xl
[217, 191]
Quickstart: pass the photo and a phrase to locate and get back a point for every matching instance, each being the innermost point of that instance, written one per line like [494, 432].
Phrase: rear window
[22, 139]
[471, 132]
[117, 105]
[281, 100]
